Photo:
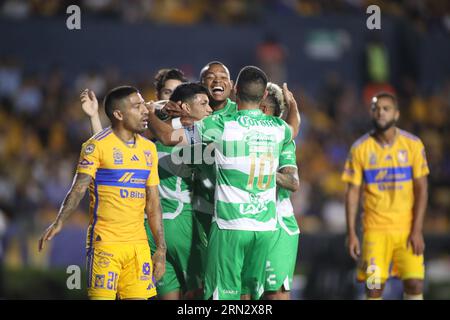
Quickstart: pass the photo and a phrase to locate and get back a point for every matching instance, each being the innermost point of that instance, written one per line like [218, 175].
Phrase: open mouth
[217, 90]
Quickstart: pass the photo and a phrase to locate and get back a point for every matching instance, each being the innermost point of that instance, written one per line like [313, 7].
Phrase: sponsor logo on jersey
[246, 122]
[146, 269]
[256, 205]
[125, 194]
[128, 178]
[118, 156]
[85, 163]
[103, 262]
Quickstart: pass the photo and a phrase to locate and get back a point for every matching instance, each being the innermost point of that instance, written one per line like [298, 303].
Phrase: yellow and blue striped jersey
[387, 173]
[120, 174]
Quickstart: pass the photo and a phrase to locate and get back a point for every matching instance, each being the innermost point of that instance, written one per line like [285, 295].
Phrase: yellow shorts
[121, 269]
[380, 249]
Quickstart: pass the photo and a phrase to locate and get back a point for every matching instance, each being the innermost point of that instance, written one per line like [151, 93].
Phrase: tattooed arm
[154, 216]
[287, 178]
[80, 184]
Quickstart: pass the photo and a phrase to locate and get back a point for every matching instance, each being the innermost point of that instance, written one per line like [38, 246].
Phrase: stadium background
[324, 51]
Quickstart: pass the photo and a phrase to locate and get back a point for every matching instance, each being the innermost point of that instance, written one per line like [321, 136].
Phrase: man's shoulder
[361, 141]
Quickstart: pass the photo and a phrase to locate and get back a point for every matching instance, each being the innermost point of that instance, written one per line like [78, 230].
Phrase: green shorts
[236, 263]
[202, 227]
[281, 261]
[182, 259]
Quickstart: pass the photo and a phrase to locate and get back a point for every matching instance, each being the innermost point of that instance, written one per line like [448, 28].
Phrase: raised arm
[89, 104]
[80, 184]
[292, 117]
[287, 178]
[154, 216]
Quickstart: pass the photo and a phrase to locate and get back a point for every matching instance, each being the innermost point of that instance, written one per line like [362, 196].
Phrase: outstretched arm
[164, 131]
[76, 193]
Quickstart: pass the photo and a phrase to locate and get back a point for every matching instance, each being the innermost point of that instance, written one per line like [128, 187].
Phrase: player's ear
[118, 114]
[397, 114]
[186, 107]
[265, 94]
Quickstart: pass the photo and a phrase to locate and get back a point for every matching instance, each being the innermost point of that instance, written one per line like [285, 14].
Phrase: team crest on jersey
[89, 149]
[402, 156]
[373, 159]
[118, 156]
[99, 281]
[148, 158]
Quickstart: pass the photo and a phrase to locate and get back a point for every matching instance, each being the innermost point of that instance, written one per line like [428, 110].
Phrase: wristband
[176, 123]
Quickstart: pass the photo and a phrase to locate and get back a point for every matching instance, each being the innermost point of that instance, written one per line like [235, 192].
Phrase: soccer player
[247, 146]
[120, 167]
[175, 188]
[390, 167]
[282, 255]
[183, 261]
[166, 80]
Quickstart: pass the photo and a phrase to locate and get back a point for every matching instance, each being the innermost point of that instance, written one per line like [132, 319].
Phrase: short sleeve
[287, 156]
[353, 168]
[420, 164]
[153, 177]
[89, 160]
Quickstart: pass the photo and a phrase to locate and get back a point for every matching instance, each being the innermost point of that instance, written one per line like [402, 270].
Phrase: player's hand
[174, 109]
[150, 106]
[159, 263]
[48, 235]
[289, 97]
[415, 240]
[89, 103]
[353, 246]
[187, 121]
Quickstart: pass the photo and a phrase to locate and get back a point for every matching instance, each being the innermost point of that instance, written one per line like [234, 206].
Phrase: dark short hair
[251, 84]
[187, 91]
[384, 94]
[115, 96]
[168, 74]
[209, 64]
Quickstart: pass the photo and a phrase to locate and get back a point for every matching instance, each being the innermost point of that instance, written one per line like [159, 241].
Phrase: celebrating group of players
[215, 189]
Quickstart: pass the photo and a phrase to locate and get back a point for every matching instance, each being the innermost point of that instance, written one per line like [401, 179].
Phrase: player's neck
[386, 137]
[125, 135]
[218, 105]
[248, 106]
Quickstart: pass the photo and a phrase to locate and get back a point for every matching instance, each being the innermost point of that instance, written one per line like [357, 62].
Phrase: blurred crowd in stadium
[426, 14]
[42, 125]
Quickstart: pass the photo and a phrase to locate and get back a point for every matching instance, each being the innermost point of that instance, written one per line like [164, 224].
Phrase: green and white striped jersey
[247, 147]
[285, 211]
[175, 188]
[205, 174]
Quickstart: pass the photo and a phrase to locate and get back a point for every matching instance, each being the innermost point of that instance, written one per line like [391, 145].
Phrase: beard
[384, 128]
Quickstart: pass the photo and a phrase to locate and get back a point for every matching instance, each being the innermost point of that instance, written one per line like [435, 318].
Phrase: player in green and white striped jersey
[247, 146]
[176, 186]
[283, 253]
